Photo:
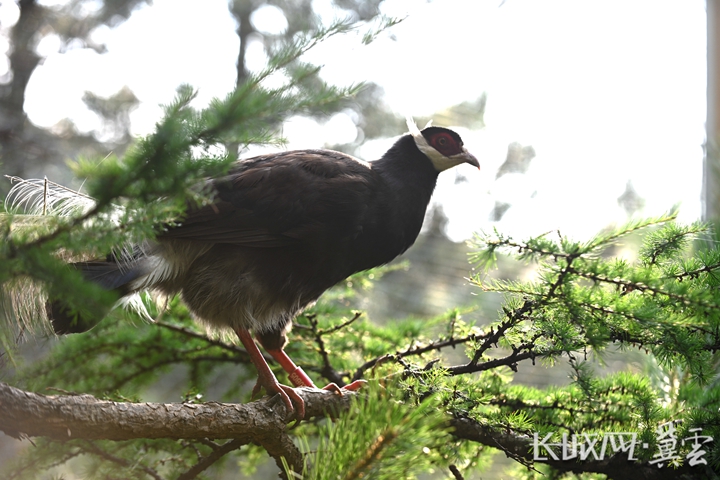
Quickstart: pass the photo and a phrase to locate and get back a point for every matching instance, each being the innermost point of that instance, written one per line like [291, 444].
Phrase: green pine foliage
[403, 439]
[660, 298]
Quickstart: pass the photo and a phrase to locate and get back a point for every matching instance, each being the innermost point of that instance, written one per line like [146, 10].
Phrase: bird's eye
[444, 144]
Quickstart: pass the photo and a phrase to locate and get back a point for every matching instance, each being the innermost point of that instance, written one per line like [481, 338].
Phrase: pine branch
[520, 447]
[27, 414]
[629, 286]
[206, 462]
[340, 326]
[234, 349]
[490, 338]
[373, 453]
[21, 472]
[510, 361]
[90, 447]
[327, 370]
[695, 273]
[456, 473]
[410, 351]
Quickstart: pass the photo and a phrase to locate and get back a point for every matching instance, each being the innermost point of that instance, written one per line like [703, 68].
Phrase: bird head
[442, 146]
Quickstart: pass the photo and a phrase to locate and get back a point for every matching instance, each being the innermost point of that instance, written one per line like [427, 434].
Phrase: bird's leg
[300, 379]
[296, 374]
[266, 378]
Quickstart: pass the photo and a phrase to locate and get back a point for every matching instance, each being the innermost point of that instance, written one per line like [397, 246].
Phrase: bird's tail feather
[24, 305]
[109, 275]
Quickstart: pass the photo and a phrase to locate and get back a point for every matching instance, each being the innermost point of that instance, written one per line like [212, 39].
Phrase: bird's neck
[407, 171]
[411, 178]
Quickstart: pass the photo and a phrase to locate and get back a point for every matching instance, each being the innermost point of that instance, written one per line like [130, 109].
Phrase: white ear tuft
[412, 126]
[40, 196]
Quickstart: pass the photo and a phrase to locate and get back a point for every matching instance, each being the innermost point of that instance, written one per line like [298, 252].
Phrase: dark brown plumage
[283, 228]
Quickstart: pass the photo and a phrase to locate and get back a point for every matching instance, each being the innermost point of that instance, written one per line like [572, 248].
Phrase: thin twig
[451, 342]
[122, 462]
[340, 326]
[327, 371]
[456, 473]
[227, 346]
[209, 460]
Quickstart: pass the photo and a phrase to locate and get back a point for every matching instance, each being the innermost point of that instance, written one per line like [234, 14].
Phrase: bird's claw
[352, 387]
[300, 379]
[288, 395]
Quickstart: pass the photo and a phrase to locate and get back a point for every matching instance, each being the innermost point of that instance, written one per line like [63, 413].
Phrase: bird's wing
[281, 199]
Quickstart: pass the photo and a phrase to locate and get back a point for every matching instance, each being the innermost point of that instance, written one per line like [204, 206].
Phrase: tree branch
[64, 417]
[92, 448]
[214, 456]
[520, 448]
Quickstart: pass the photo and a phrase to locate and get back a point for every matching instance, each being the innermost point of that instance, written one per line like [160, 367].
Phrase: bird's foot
[352, 387]
[300, 379]
[288, 395]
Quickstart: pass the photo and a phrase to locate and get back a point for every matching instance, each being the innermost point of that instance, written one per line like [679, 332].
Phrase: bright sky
[605, 91]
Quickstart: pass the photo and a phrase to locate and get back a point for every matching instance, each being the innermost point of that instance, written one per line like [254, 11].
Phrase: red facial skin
[445, 144]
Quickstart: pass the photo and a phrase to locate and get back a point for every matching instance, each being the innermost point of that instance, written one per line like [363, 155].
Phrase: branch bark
[616, 466]
[64, 417]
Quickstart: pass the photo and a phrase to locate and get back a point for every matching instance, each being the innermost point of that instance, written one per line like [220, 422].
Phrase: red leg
[266, 378]
[300, 379]
[296, 374]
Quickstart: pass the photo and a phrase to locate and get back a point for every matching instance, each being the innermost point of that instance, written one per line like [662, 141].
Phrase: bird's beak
[442, 163]
[465, 157]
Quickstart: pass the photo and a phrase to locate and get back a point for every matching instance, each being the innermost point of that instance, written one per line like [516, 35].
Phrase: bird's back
[281, 230]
